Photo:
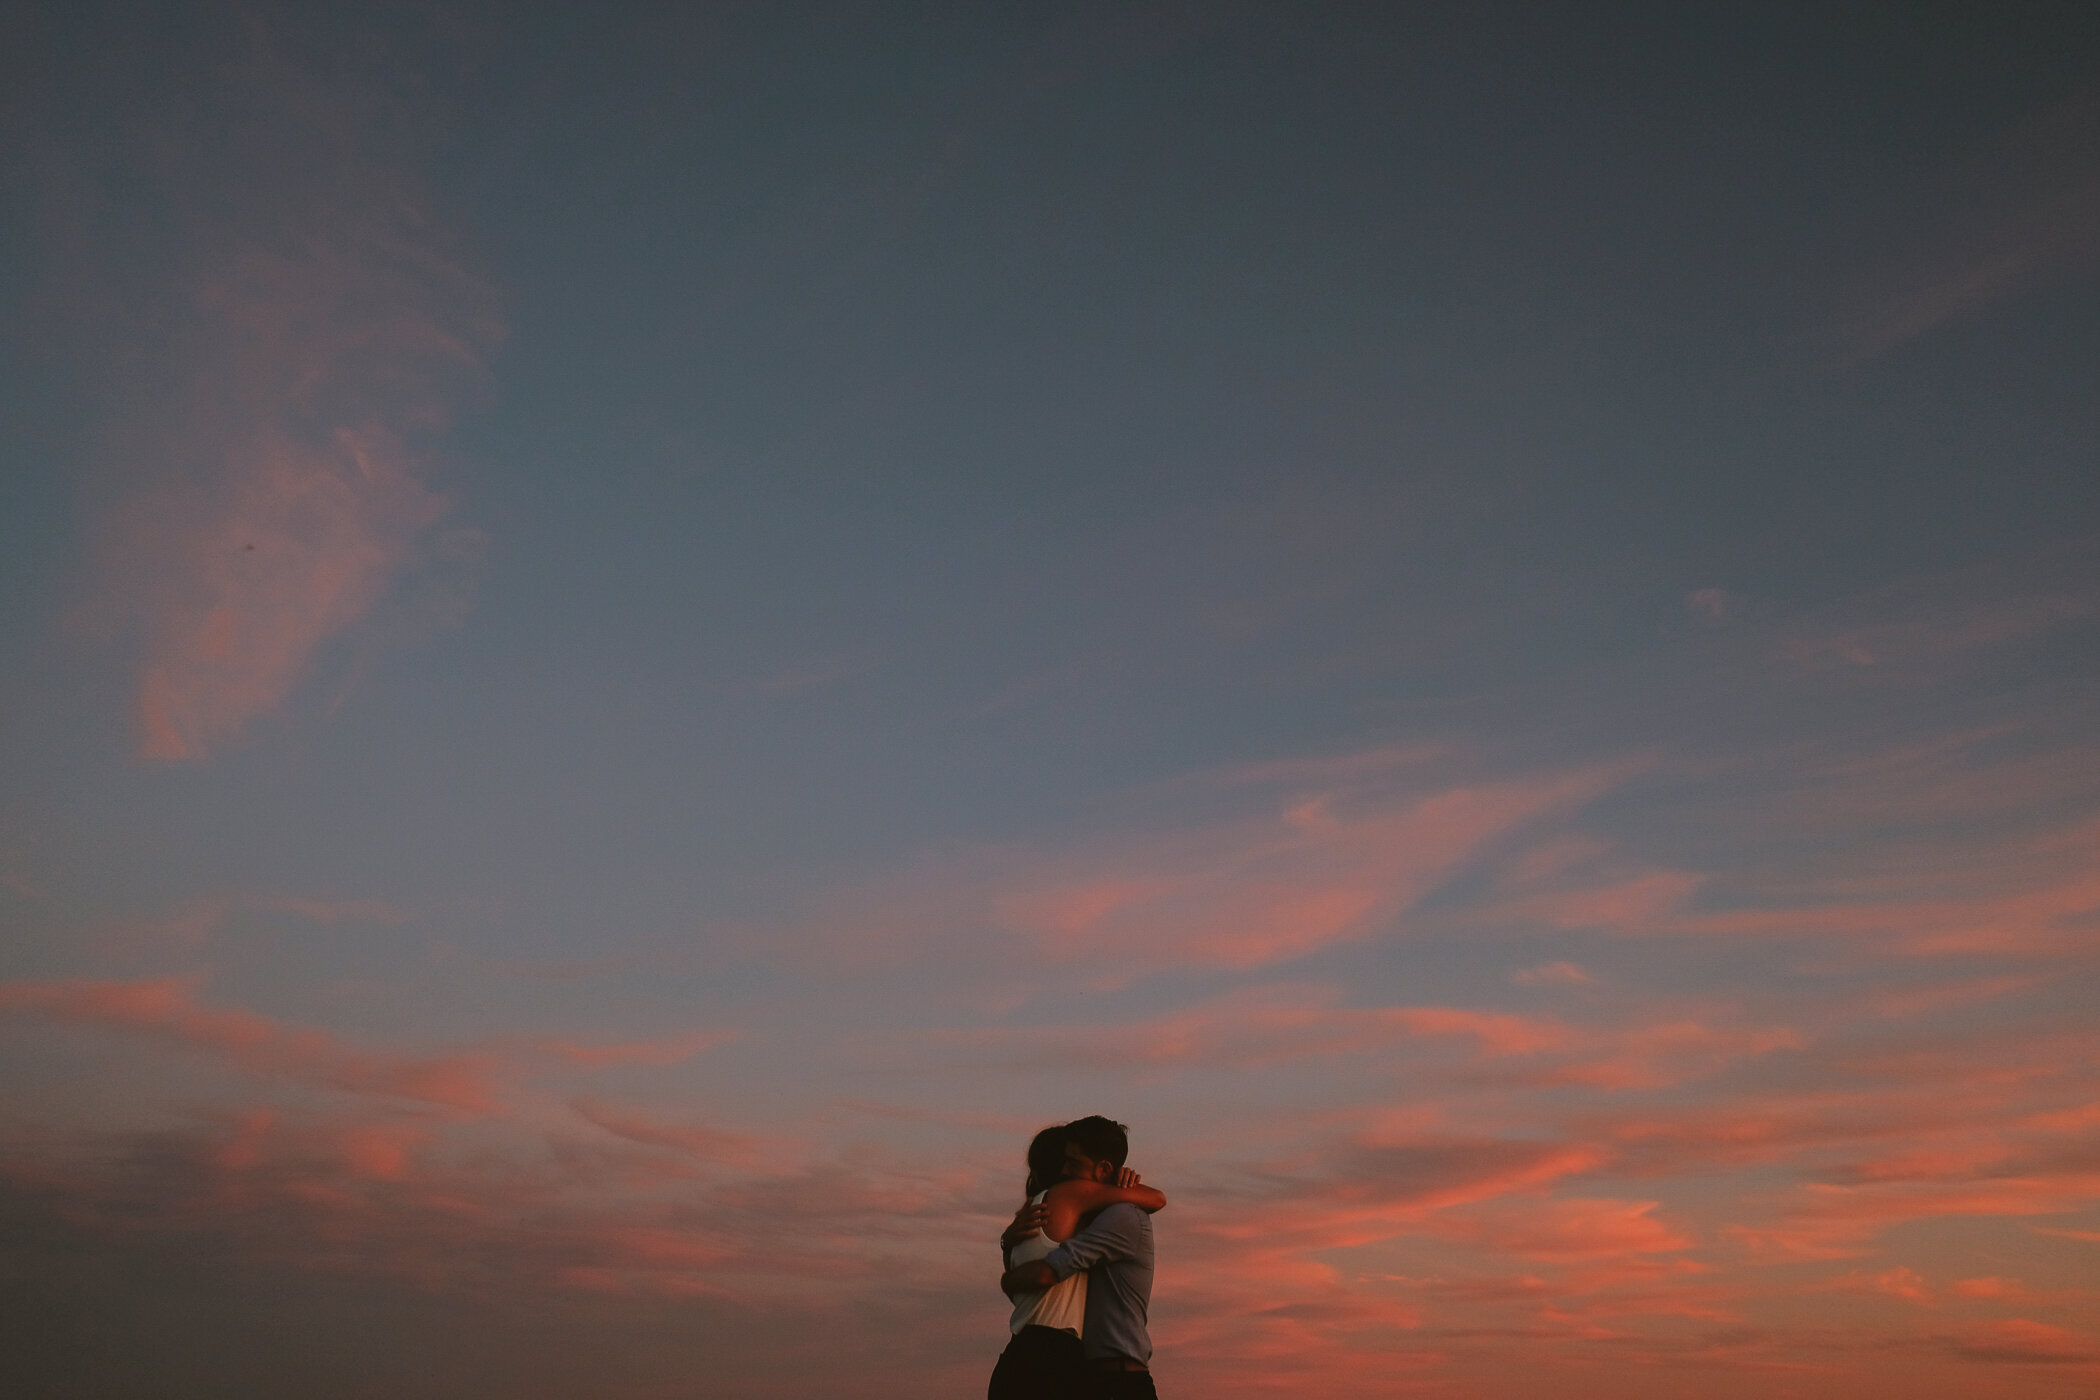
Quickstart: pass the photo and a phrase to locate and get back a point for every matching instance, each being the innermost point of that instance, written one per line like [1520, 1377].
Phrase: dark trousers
[1040, 1363]
[1124, 1385]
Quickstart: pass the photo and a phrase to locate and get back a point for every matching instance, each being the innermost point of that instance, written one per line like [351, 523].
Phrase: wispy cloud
[168, 1009]
[699, 1141]
[1279, 1024]
[262, 475]
[2017, 215]
[672, 1049]
[1334, 852]
[2022, 1341]
[1563, 973]
[193, 922]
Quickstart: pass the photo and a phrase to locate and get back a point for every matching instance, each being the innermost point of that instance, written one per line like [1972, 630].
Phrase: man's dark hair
[1103, 1139]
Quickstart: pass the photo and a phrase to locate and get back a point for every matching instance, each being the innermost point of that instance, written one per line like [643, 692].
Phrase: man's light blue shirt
[1116, 1251]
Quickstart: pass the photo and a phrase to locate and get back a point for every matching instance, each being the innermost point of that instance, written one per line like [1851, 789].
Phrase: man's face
[1080, 1167]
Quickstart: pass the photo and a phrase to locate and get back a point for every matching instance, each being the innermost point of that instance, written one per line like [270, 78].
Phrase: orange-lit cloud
[1835, 1222]
[2087, 1236]
[2025, 1342]
[1900, 1282]
[1567, 1228]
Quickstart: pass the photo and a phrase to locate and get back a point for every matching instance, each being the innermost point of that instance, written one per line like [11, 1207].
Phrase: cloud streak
[2018, 215]
[168, 1010]
[1334, 852]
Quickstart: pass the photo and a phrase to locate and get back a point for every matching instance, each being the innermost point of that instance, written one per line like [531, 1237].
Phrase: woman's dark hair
[1046, 1159]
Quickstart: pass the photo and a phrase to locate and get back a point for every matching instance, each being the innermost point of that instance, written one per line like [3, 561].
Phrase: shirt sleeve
[1115, 1234]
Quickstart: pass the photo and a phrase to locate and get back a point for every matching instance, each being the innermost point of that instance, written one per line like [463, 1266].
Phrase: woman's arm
[1093, 1196]
[1068, 1201]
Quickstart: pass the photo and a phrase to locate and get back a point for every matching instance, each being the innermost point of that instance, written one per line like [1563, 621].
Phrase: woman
[1043, 1361]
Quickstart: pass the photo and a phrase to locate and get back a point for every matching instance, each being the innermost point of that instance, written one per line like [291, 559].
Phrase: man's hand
[1028, 1220]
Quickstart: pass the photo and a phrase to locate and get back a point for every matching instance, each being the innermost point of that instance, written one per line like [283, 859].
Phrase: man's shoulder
[1124, 1216]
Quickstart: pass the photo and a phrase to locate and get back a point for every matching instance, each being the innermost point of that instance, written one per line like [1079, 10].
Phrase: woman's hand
[1126, 1178]
[1028, 1220]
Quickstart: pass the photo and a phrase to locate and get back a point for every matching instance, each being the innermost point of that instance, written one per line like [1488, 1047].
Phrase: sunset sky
[635, 638]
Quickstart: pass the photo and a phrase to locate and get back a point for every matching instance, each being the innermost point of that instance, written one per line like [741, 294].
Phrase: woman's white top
[1062, 1304]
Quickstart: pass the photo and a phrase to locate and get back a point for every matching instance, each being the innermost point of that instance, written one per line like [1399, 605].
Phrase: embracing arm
[1068, 1203]
[1114, 1233]
[1032, 1277]
[1072, 1203]
[1090, 1196]
[1119, 1232]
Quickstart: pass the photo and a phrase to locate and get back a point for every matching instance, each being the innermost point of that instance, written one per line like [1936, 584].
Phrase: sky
[635, 638]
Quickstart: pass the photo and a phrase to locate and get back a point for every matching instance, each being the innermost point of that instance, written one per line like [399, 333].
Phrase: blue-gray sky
[637, 639]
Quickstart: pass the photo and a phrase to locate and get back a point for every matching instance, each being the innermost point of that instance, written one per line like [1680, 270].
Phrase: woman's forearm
[1146, 1198]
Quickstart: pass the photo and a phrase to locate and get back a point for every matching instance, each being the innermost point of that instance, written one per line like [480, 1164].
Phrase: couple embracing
[1078, 1260]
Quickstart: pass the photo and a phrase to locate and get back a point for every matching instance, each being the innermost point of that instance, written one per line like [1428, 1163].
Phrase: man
[1116, 1248]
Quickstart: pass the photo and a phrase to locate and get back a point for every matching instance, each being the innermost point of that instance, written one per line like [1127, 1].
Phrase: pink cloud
[1282, 1023]
[1904, 1283]
[701, 1142]
[167, 1008]
[2025, 1342]
[1268, 1025]
[191, 924]
[1375, 1190]
[2086, 1236]
[1327, 870]
[2008, 219]
[1563, 973]
[1831, 1221]
[1993, 1288]
[1937, 636]
[1346, 772]
[1314, 867]
[261, 475]
[384, 1198]
[2046, 913]
[1567, 1228]
[1668, 1052]
[661, 1050]
[301, 545]
[1954, 890]
[1642, 903]
[522, 1204]
[1961, 1112]
[1498, 1033]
